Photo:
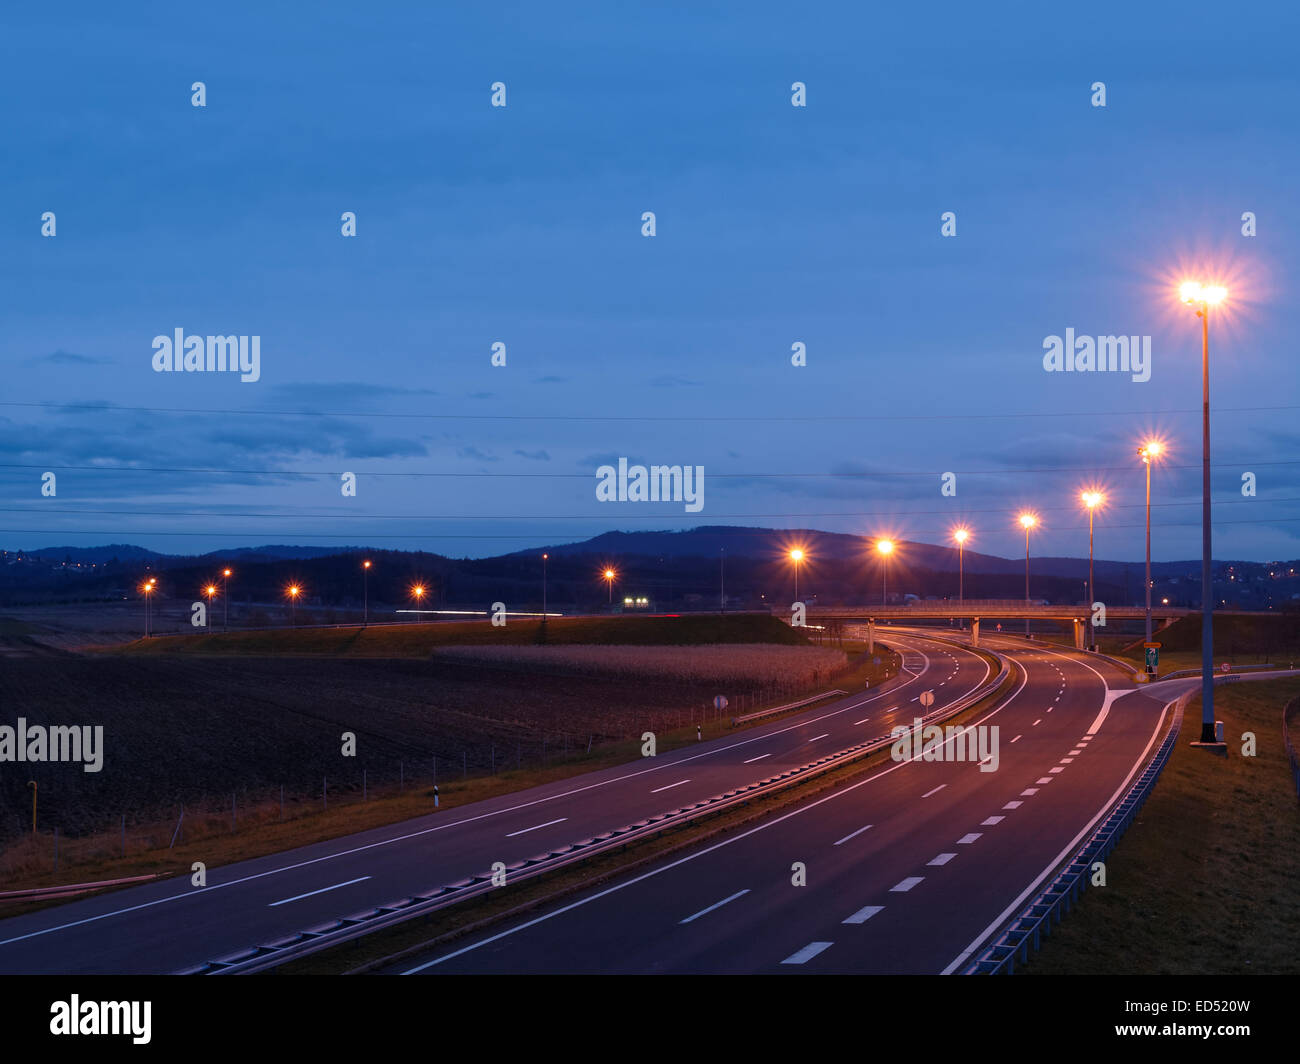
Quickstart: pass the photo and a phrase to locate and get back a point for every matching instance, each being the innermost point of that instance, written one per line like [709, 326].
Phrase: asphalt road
[907, 870]
[170, 926]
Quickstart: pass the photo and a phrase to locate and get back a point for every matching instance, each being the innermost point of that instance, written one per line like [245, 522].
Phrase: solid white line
[935, 791]
[853, 834]
[1056, 861]
[311, 893]
[807, 953]
[942, 859]
[971, 836]
[864, 914]
[904, 885]
[669, 787]
[715, 905]
[752, 760]
[816, 737]
[535, 827]
[1013, 805]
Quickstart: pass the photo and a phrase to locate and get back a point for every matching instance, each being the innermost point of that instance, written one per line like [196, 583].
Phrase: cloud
[476, 454]
[551, 378]
[672, 380]
[536, 456]
[69, 358]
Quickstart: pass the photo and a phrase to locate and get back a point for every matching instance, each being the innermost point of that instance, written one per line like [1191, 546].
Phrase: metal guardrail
[347, 928]
[785, 708]
[1027, 930]
[1182, 674]
[38, 893]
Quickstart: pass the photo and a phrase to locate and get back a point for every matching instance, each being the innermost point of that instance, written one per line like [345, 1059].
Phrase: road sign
[1153, 657]
[1225, 667]
[927, 698]
[720, 702]
[1155, 646]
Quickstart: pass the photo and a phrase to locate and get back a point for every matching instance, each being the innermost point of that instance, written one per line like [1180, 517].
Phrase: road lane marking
[1067, 760]
[1037, 722]
[942, 859]
[1029, 790]
[935, 791]
[971, 836]
[1056, 768]
[904, 885]
[1013, 805]
[312, 893]
[863, 720]
[854, 834]
[816, 737]
[749, 762]
[1017, 737]
[715, 905]
[807, 953]
[1075, 753]
[864, 914]
[669, 787]
[990, 821]
[1045, 779]
[535, 827]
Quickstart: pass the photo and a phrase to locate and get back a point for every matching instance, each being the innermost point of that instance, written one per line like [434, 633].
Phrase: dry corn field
[744, 665]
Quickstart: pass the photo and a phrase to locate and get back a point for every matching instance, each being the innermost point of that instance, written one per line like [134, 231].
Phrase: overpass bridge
[976, 610]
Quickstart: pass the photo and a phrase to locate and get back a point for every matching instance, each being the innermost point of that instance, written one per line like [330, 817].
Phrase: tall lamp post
[210, 591]
[796, 556]
[225, 600]
[1027, 521]
[884, 547]
[544, 559]
[1203, 297]
[147, 587]
[365, 592]
[1149, 452]
[1091, 499]
[417, 593]
[961, 535]
[293, 591]
[609, 580]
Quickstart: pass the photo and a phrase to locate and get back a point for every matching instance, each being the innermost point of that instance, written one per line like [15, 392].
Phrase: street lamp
[417, 593]
[147, 587]
[885, 547]
[293, 591]
[961, 535]
[225, 601]
[1203, 297]
[796, 556]
[1149, 452]
[365, 592]
[1091, 499]
[609, 580]
[210, 591]
[1027, 521]
[544, 559]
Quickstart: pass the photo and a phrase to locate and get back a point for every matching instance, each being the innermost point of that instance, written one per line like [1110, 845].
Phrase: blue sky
[522, 225]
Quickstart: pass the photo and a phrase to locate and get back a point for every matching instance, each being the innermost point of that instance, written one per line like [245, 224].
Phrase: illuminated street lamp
[609, 580]
[148, 588]
[1091, 499]
[1027, 521]
[961, 535]
[1149, 452]
[210, 591]
[1203, 297]
[545, 557]
[225, 601]
[293, 591]
[417, 593]
[884, 547]
[796, 556]
[365, 591]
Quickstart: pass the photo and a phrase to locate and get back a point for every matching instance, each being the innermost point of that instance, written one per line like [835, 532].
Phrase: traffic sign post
[1153, 657]
[927, 699]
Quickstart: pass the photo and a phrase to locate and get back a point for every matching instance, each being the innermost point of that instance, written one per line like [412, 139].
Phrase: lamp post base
[1207, 733]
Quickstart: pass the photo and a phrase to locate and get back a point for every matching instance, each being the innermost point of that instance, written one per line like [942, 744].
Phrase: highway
[170, 926]
[907, 870]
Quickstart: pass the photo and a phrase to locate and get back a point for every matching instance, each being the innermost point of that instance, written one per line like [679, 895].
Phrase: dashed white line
[1029, 790]
[535, 827]
[715, 905]
[816, 737]
[1056, 768]
[759, 758]
[1066, 760]
[864, 914]
[313, 893]
[904, 885]
[942, 859]
[1013, 805]
[670, 786]
[988, 822]
[853, 834]
[862, 721]
[807, 953]
[971, 836]
[1017, 737]
[1045, 779]
[935, 791]
[1037, 722]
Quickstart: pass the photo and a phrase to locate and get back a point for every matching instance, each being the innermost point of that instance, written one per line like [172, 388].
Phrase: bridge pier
[974, 631]
[1078, 634]
[871, 635]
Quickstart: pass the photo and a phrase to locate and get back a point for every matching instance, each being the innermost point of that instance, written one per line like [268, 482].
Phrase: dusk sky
[522, 225]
